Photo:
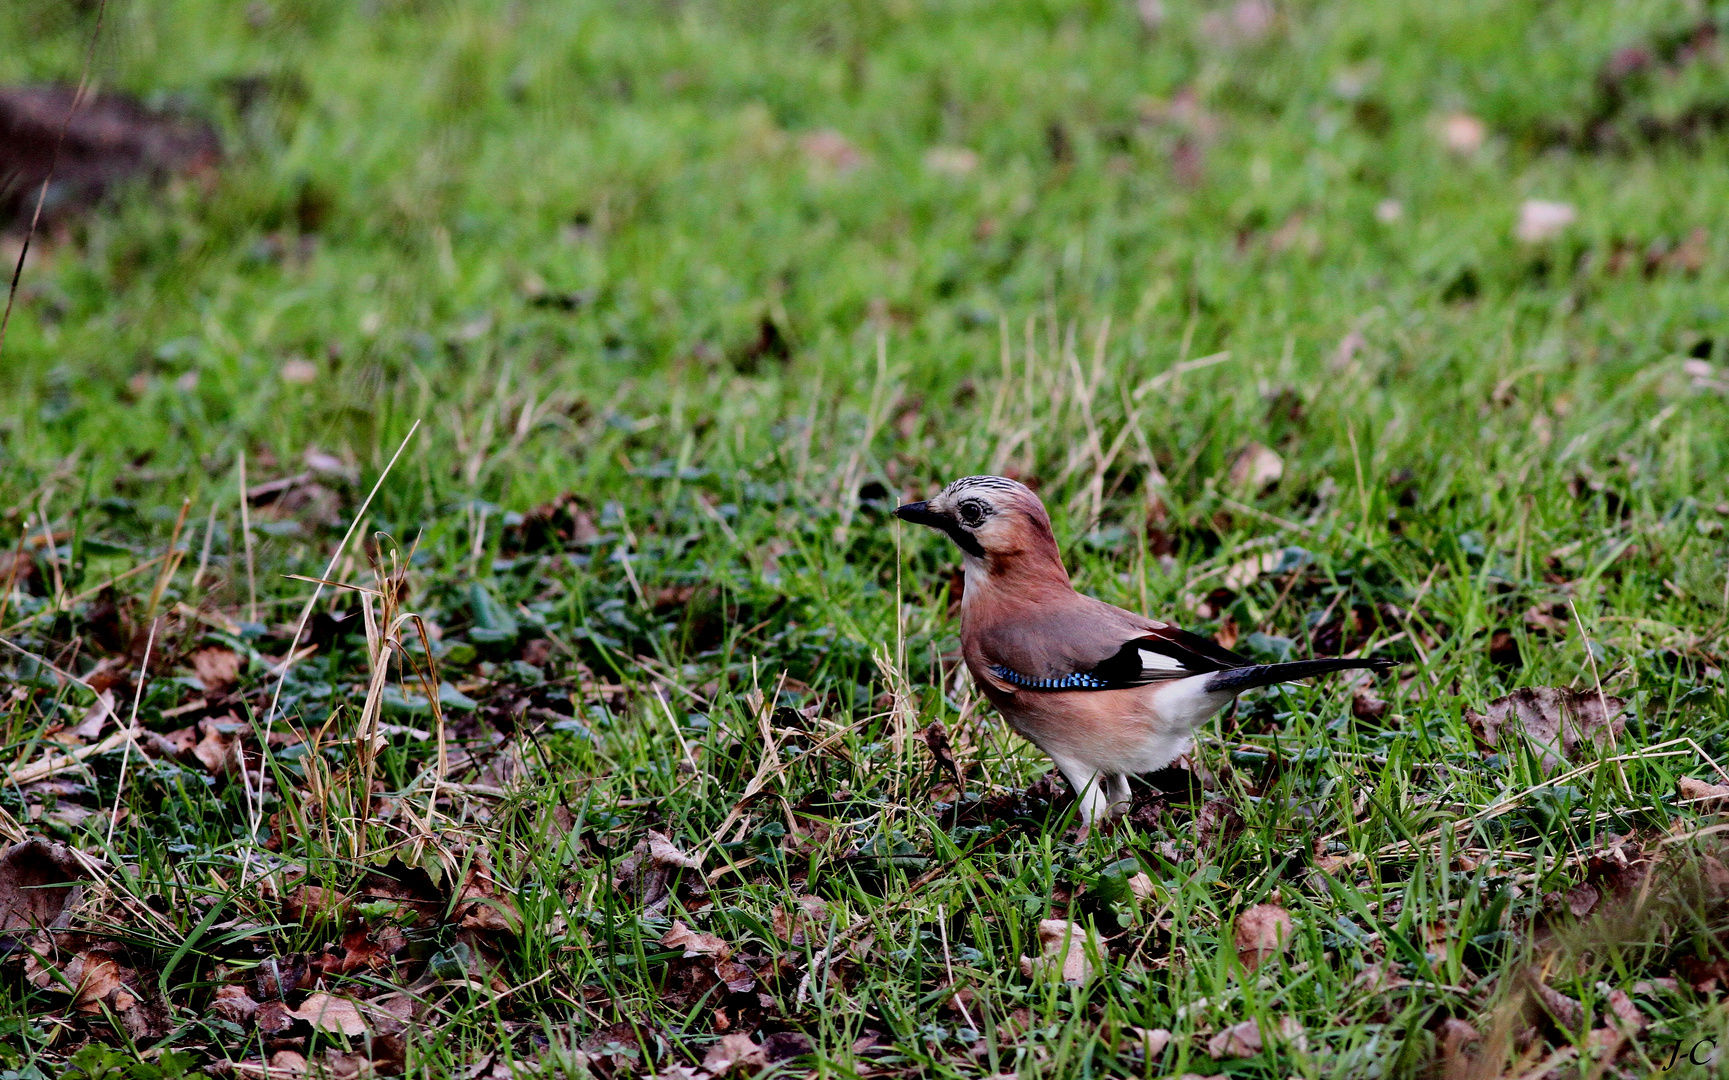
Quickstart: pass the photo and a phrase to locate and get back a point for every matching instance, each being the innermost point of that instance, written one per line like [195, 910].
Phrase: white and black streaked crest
[983, 484]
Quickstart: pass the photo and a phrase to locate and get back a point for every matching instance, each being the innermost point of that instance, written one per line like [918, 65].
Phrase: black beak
[920, 513]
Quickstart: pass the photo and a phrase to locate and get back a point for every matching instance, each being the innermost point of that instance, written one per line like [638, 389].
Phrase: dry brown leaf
[1065, 949]
[1329, 863]
[785, 1045]
[96, 717]
[219, 750]
[1380, 978]
[1366, 704]
[38, 885]
[390, 1014]
[1701, 795]
[937, 740]
[1247, 1039]
[733, 1052]
[1716, 875]
[1246, 21]
[1153, 1040]
[797, 926]
[360, 950]
[327, 1012]
[652, 869]
[94, 976]
[1580, 899]
[1566, 1012]
[232, 1003]
[1263, 932]
[495, 916]
[663, 851]
[345, 1064]
[1537, 618]
[217, 668]
[737, 977]
[1216, 822]
[694, 943]
[1255, 467]
[1458, 1042]
[274, 1017]
[1690, 255]
[1558, 721]
[1628, 1018]
[329, 464]
[306, 902]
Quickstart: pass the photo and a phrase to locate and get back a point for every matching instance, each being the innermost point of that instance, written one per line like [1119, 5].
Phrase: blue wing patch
[1168, 653]
[1080, 680]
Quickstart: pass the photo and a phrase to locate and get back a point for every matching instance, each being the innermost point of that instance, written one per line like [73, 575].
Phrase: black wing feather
[1192, 653]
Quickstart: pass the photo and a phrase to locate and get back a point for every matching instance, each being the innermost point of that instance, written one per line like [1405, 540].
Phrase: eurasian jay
[1103, 691]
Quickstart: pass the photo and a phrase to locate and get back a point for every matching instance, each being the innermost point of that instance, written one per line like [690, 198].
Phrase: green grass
[594, 248]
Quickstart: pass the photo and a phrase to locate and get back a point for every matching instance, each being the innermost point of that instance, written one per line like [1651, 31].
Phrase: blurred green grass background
[416, 192]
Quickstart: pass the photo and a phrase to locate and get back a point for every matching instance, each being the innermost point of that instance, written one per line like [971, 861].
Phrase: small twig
[949, 967]
[52, 764]
[334, 584]
[1283, 523]
[132, 724]
[1590, 655]
[52, 552]
[1362, 487]
[1179, 369]
[170, 562]
[246, 539]
[12, 574]
[204, 556]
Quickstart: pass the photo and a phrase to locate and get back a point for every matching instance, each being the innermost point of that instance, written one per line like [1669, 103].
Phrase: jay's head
[992, 518]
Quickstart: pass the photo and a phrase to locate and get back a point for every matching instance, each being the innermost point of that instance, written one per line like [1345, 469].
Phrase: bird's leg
[1118, 791]
[1089, 788]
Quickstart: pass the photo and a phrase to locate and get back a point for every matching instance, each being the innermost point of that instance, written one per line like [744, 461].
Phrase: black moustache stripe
[965, 540]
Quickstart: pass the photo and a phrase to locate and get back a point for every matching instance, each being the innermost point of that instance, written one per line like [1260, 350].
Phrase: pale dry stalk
[132, 721]
[246, 539]
[170, 561]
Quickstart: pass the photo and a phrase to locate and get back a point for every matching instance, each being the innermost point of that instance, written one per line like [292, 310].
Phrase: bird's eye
[972, 513]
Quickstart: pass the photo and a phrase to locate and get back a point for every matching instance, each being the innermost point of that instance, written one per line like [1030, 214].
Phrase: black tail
[1236, 680]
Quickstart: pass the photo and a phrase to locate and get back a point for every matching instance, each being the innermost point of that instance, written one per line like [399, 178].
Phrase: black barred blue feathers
[1080, 680]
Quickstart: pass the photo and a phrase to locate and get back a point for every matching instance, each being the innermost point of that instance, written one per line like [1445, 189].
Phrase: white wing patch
[1153, 663]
